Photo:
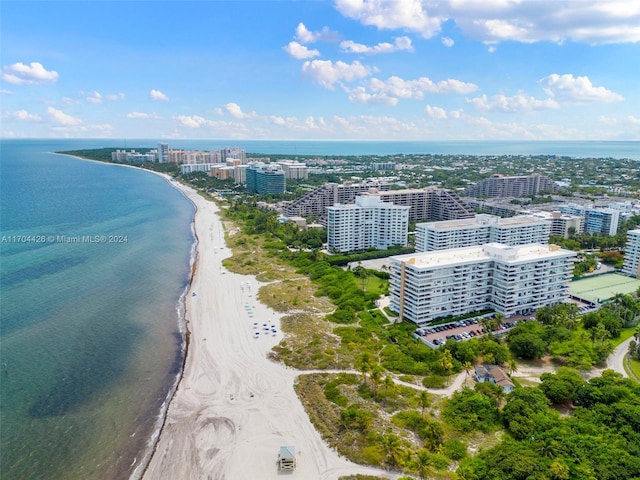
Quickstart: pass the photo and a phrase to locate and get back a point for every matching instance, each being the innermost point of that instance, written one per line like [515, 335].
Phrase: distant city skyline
[343, 69]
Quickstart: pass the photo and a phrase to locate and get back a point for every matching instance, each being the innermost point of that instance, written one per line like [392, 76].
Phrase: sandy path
[234, 408]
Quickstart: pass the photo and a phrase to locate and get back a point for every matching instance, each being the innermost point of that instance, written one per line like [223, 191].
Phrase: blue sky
[342, 69]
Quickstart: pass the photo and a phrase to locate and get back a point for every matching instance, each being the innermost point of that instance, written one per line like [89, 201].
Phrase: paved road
[616, 359]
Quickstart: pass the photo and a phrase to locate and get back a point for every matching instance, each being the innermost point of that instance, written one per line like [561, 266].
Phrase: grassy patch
[293, 295]
[309, 344]
[635, 368]
[624, 334]
[375, 284]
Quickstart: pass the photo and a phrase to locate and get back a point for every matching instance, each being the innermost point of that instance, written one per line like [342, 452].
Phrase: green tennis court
[600, 288]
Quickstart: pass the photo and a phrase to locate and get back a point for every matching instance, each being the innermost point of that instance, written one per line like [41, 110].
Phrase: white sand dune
[234, 408]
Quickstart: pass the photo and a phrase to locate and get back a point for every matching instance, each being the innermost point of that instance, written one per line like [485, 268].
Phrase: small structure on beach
[287, 458]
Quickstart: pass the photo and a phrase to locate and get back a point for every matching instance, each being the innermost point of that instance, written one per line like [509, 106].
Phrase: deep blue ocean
[90, 332]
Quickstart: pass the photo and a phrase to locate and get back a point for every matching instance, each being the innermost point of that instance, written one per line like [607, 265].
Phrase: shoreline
[160, 417]
[183, 327]
[232, 403]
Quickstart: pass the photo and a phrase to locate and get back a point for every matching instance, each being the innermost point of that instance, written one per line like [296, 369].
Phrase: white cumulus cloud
[235, 111]
[360, 95]
[389, 91]
[306, 36]
[447, 42]
[32, 74]
[327, 73]
[143, 115]
[492, 21]
[416, 15]
[158, 95]
[587, 21]
[576, 89]
[299, 51]
[399, 44]
[628, 120]
[514, 104]
[23, 116]
[94, 97]
[60, 118]
[191, 121]
[435, 112]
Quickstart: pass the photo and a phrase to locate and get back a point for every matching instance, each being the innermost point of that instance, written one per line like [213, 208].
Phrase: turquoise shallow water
[91, 341]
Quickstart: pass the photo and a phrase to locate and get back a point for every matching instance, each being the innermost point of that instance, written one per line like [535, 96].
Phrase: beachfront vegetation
[578, 342]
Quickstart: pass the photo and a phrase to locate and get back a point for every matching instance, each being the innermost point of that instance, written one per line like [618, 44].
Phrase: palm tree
[618, 300]
[599, 334]
[545, 315]
[433, 434]
[365, 365]
[376, 377]
[468, 367]
[392, 449]
[446, 363]
[421, 463]
[424, 400]
[388, 385]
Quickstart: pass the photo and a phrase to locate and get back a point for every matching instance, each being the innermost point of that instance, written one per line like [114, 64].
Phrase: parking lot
[436, 335]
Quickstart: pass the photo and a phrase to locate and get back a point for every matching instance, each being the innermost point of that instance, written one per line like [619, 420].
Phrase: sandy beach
[234, 408]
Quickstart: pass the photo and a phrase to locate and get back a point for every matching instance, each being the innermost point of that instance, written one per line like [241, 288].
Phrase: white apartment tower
[596, 220]
[163, 152]
[369, 222]
[631, 265]
[510, 280]
[481, 229]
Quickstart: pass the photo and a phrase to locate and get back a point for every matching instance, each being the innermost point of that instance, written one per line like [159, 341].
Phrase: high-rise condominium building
[509, 280]
[596, 220]
[562, 224]
[294, 170]
[315, 203]
[512, 186]
[368, 223]
[163, 152]
[265, 179]
[631, 265]
[481, 229]
[233, 152]
[430, 203]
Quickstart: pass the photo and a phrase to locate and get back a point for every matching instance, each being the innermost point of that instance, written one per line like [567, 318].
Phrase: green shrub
[434, 381]
[454, 449]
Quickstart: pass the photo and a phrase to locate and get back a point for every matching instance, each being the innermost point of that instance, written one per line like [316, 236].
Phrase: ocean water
[94, 260]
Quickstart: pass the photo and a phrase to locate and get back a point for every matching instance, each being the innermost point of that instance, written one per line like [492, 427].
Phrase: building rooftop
[483, 220]
[498, 251]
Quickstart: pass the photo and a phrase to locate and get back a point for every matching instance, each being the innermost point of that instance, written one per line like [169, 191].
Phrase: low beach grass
[294, 295]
